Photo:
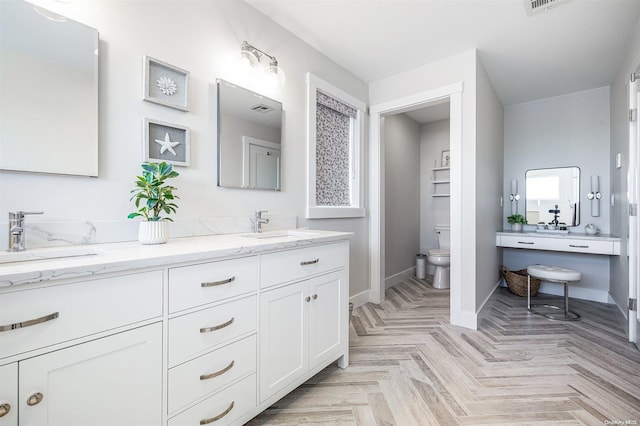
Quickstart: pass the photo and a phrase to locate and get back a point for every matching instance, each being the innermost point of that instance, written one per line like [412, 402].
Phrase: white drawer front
[210, 372]
[228, 406]
[558, 244]
[300, 263]
[197, 285]
[83, 308]
[588, 246]
[195, 332]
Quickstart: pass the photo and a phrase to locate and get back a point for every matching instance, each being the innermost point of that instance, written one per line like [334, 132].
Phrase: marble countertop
[572, 235]
[119, 257]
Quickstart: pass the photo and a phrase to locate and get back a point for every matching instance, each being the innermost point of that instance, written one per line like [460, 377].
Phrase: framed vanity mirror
[548, 190]
[48, 92]
[249, 139]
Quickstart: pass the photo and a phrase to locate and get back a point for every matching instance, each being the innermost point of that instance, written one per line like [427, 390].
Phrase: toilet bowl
[441, 258]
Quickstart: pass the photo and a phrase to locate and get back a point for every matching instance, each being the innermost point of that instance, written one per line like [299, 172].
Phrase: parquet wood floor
[409, 366]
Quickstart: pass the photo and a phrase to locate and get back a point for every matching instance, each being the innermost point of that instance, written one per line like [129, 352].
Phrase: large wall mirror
[548, 190]
[48, 92]
[249, 139]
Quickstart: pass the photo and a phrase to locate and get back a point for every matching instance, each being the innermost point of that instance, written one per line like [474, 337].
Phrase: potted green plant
[516, 221]
[154, 198]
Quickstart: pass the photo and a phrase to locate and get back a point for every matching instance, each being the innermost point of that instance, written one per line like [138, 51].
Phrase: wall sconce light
[595, 195]
[514, 197]
[252, 59]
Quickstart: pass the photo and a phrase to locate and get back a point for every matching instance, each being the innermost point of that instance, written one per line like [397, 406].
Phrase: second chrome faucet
[258, 220]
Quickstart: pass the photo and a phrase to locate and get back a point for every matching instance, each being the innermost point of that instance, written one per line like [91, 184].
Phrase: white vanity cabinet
[212, 346]
[9, 394]
[114, 380]
[185, 339]
[83, 353]
[303, 325]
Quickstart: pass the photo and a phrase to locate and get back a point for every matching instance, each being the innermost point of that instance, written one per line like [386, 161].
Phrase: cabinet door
[326, 317]
[9, 395]
[283, 337]
[116, 380]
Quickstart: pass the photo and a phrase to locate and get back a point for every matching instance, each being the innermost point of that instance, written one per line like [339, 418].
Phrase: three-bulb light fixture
[251, 58]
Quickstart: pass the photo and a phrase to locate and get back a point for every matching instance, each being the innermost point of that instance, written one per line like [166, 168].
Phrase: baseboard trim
[577, 292]
[482, 306]
[399, 277]
[360, 299]
[465, 319]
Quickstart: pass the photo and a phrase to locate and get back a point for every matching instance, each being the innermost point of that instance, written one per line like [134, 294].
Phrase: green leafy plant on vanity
[154, 200]
[516, 221]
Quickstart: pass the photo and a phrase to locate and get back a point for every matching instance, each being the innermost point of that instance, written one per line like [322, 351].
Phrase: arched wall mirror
[48, 92]
[249, 139]
[553, 191]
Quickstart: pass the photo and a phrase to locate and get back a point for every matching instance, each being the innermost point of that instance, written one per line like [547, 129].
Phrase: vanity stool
[554, 274]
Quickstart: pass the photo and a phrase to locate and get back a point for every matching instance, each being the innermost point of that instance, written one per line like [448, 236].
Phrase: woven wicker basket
[517, 282]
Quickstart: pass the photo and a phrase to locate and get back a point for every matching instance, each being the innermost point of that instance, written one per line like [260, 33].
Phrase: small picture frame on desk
[445, 159]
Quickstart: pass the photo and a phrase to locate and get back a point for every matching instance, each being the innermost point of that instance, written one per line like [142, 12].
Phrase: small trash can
[421, 264]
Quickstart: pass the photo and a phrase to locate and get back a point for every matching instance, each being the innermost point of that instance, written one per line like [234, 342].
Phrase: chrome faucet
[258, 221]
[16, 230]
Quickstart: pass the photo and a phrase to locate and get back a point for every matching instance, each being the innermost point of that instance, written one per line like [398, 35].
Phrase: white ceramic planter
[516, 227]
[153, 232]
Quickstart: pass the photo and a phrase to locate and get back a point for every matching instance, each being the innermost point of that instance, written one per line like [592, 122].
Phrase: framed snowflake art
[166, 84]
[166, 142]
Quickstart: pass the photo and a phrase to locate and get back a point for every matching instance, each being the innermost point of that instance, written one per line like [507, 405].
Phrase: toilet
[441, 258]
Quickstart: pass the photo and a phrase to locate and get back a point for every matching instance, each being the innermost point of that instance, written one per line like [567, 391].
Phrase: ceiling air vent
[261, 108]
[538, 6]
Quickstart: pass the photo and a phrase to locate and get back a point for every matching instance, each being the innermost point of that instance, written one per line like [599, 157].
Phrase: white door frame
[377, 195]
[633, 186]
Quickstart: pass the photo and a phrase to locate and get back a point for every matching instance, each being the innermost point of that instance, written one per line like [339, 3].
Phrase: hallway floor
[409, 366]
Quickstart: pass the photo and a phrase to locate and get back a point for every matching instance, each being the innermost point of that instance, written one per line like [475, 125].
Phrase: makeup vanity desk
[572, 242]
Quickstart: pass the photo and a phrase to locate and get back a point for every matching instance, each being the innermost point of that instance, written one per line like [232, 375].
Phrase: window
[335, 146]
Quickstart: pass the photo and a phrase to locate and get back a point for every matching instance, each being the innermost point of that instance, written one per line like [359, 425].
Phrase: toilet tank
[444, 236]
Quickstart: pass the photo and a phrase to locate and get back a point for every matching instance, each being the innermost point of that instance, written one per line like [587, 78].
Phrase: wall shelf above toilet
[439, 177]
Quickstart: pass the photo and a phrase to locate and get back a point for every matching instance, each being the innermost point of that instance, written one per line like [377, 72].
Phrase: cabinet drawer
[82, 309]
[195, 332]
[565, 244]
[298, 264]
[197, 285]
[210, 372]
[227, 406]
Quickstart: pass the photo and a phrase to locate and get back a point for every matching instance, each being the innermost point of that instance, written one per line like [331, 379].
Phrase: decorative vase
[517, 227]
[153, 232]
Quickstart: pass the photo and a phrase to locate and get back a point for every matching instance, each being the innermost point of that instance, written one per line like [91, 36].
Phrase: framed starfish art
[166, 142]
[166, 84]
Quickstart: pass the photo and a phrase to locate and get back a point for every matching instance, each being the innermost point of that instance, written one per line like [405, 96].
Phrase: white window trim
[356, 209]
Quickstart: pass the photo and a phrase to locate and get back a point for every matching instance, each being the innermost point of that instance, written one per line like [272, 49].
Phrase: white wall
[434, 138]
[489, 178]
[202, 37]
[619, 288]
[568, 130]
[402, 193]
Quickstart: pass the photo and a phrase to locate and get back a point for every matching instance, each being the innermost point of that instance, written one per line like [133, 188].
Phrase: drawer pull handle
[30, 322]
[577, 246]
[219, 416]
[307, 299]
[314, 297]
[526, 242]
[4, 409]
[217, 327]
[217, 283]
[34, 399]
[309, 262]
[217, 373]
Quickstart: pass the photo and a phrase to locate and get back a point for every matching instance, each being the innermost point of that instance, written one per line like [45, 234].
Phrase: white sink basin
[281, 234]
[57, 253]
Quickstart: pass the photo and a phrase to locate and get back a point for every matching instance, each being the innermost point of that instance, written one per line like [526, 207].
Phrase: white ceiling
[575, 46]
